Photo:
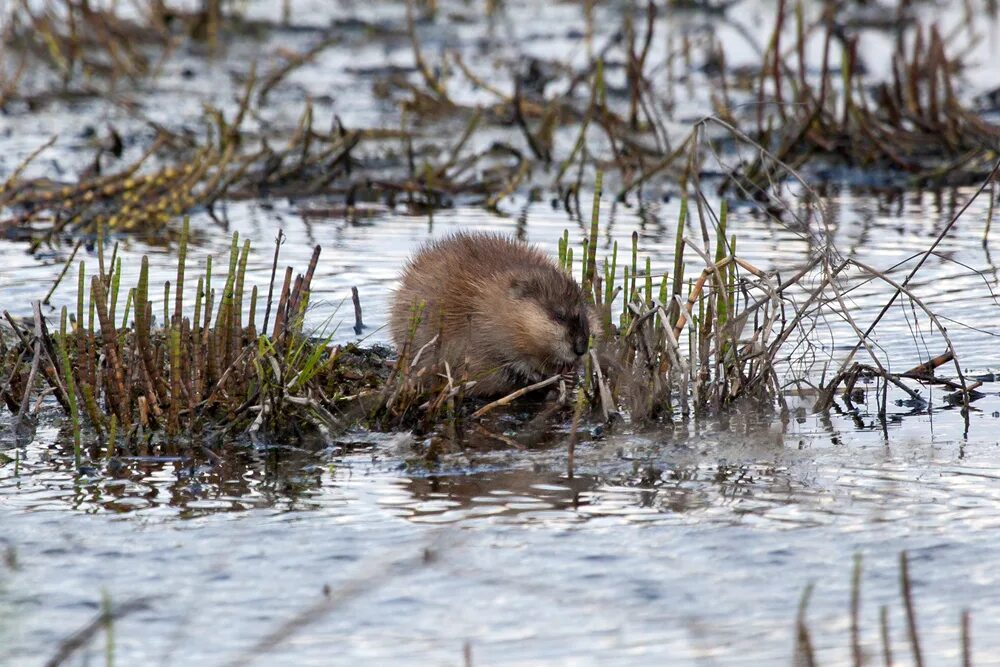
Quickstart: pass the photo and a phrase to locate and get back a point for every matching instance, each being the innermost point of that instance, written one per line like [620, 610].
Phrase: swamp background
[855, 140]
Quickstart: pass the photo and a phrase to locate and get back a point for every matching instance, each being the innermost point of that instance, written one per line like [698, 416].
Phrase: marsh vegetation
[650, 143]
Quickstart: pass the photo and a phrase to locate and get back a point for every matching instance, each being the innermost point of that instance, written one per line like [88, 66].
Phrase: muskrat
[504, 313]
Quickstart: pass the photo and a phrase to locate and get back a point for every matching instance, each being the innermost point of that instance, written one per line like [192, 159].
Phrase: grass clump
[128, 381]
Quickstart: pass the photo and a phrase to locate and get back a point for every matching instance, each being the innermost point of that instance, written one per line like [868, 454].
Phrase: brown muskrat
[504, 313]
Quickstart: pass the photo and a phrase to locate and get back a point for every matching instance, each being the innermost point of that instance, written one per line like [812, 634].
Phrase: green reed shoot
[174, 338]
[225, 318]
[721, 252]
[114, 260]
[166, 304]
[252, 317]
[626, 299]
[128, 306]
[240, 277]
[109, 629]
[732, 275]
[198, 298]
[208, 292]
[679, 260]
[100, 250]
[112, 436]
[140, 297]
[90, 316]
[61, 344]
[649, 282]
[590, 243]
[661, 298]
[116, 280]
[610, 274]
[181, 262]
[563, 248]
[635, 265]
[79, 294]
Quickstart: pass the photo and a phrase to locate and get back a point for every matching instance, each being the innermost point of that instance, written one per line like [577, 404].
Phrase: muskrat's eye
[560, 317]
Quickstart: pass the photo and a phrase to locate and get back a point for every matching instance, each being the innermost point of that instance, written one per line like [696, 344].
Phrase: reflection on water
[653, 494]
[667, 547]
[744, 467]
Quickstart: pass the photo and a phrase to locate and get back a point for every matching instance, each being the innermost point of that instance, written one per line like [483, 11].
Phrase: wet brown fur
[505, 314]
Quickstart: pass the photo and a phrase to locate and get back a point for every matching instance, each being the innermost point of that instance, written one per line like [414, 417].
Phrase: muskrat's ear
[525, 286]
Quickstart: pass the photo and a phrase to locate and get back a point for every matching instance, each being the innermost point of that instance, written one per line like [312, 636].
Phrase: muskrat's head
[553, 323]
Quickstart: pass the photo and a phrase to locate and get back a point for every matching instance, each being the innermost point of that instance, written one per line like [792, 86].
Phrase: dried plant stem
[62, 273]
[513, 396]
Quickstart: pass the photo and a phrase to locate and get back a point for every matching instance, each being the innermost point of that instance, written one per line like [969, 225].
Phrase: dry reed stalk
[117, 394]
[514, 395]
[281, 312]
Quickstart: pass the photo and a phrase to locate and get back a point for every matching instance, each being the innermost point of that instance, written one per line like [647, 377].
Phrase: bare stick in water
[883, 616]
[359, 325]
[966, 641]
[804, 654]
[65, 268]
[927, 368]
[26, 398]
[274, 269]
[513, 396]
[82, 637]
[911, 616]
[856, 613]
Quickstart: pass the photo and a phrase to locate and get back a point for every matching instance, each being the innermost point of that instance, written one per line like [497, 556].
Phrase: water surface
[684, 544]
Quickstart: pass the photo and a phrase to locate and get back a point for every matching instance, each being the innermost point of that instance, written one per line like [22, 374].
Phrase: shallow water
[690, 545]
[679, 546]
[658, 550]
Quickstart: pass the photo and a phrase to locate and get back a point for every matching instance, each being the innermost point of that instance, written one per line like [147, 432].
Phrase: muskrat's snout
[578, 332]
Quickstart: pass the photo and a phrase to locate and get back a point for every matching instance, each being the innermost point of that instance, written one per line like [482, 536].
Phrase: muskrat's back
[448, 276]
[502, 311]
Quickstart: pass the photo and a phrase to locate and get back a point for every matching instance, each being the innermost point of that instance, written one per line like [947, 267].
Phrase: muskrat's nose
[580, 346]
